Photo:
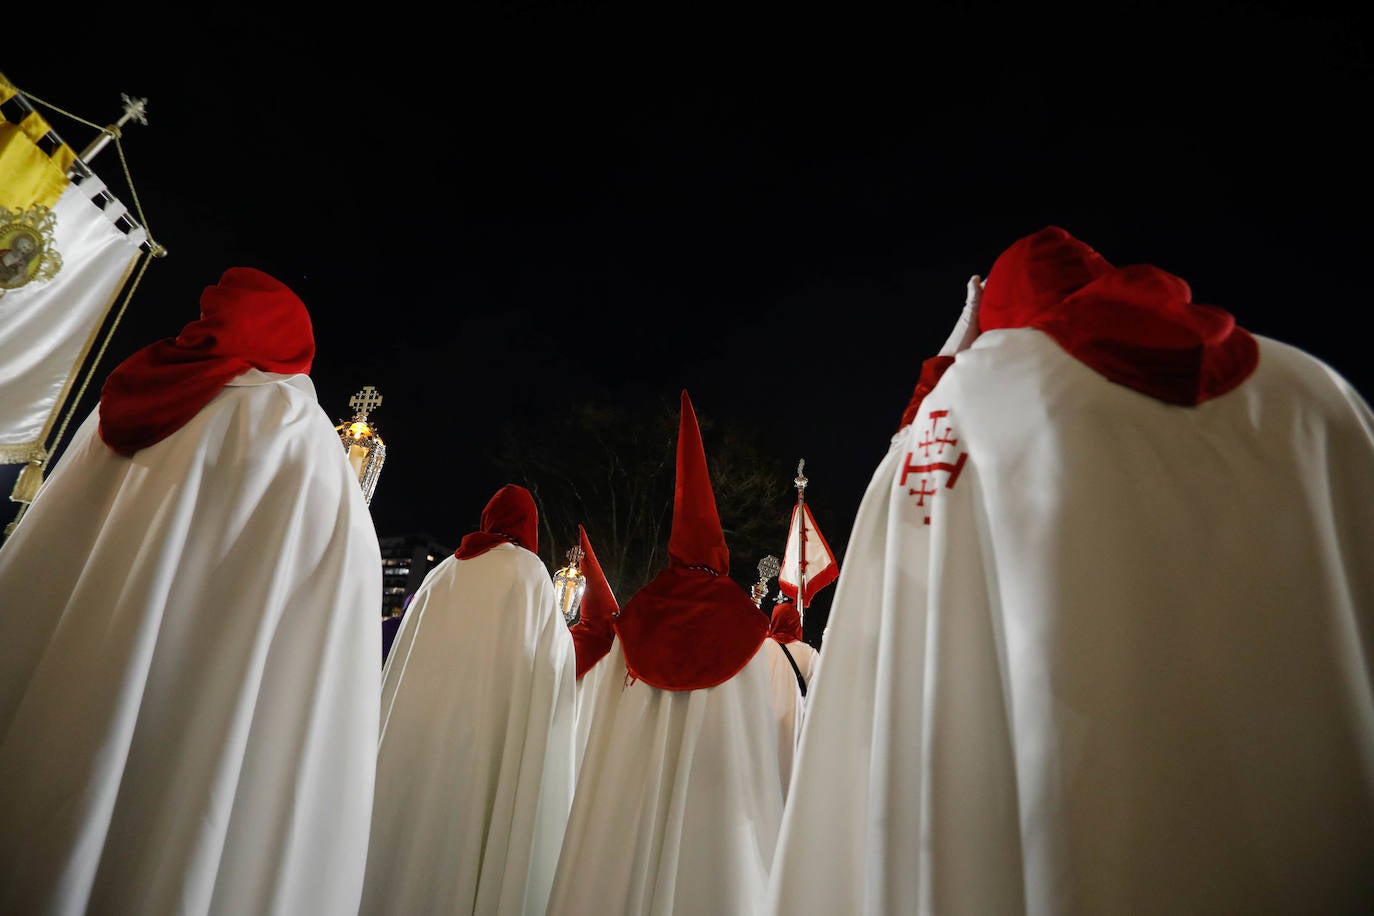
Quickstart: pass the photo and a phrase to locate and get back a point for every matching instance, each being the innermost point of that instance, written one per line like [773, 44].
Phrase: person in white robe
[678, 798]
[791, 662]
[189, 641]
[1103, 640]
[593, 634]
[475, 768]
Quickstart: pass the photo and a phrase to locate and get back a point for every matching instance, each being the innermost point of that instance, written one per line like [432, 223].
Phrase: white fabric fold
[678, 799]
[47, 326]
[587, 689]
[188, 670]
[1098, 654]
[475, 771]
[789, 706]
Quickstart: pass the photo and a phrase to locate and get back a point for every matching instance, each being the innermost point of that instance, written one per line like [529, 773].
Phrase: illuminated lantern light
[569, 585]
[366, 450]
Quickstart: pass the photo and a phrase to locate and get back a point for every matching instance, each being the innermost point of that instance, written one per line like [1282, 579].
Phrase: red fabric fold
[786, 624]
[1135, 325]
[593, 633]
[510, 517]
[249, 320]
[689, 629]
[931, 370]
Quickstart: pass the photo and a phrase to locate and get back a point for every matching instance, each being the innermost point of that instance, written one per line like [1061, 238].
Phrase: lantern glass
[365, 449]
[569, 585]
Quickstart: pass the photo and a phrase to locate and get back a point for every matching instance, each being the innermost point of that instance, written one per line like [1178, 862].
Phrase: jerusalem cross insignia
[938, 458]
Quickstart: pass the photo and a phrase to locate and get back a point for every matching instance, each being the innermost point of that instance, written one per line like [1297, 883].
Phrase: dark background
[493, 211]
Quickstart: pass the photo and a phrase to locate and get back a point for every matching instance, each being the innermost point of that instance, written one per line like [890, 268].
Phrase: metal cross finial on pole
[365, 401]
[365, 448]
[134, 109]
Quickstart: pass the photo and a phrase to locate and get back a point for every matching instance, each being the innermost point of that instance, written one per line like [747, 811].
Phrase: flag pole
[800, 514]
[133, 108]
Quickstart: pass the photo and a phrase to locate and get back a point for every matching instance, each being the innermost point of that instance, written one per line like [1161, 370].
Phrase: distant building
[406, 559]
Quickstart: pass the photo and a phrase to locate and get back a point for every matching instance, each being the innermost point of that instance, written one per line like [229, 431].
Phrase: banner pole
[800, 513]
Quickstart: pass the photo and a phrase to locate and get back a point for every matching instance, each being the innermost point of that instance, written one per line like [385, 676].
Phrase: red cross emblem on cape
[935, 463]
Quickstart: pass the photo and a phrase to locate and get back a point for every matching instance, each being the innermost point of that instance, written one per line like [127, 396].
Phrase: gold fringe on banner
[22, 453]
[30, 479]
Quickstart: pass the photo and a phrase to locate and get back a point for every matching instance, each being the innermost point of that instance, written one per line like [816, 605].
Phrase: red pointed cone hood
[593, 634]
[692, 626]
[696, 538]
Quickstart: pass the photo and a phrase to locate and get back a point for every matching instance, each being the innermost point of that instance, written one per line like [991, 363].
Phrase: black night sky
[490, 213]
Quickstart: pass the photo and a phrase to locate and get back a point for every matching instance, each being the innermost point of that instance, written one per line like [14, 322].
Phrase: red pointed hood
[593, 633]
[249, 320]
[692, 626]
[786, 623]
[696, 538]
[1135, 325]
[511, 517]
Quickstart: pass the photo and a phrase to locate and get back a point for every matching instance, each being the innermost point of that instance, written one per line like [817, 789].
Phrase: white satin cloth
[475, 772]
[1125, 667]
[48, 327]
[678, 799]
[188, 670]
[587, 689]
[789, 706]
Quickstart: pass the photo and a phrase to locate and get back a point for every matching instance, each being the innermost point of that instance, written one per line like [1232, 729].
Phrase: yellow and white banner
[63, 263]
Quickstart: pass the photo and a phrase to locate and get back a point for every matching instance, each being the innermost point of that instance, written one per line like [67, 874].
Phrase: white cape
[475, 772]
[1125, 668]
[587, 690]
[789, 706]
[678, 799]
[188, 670]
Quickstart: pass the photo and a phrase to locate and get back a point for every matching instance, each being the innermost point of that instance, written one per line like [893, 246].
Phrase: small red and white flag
[807, 557]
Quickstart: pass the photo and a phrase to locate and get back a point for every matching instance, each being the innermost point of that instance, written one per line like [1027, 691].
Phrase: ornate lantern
[768, 568]
[366, 450]
[569, 585]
